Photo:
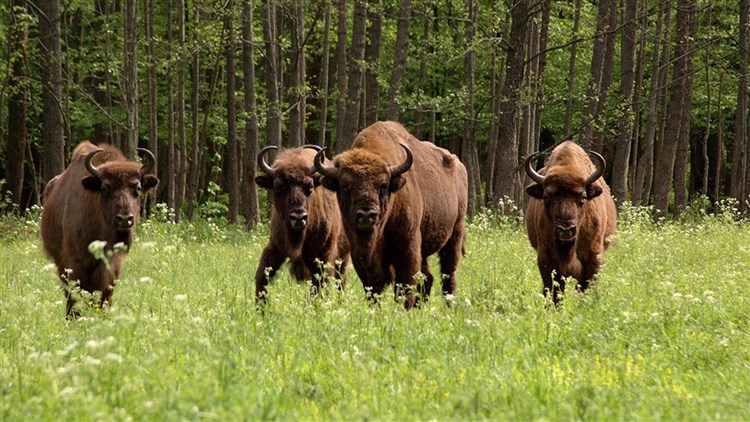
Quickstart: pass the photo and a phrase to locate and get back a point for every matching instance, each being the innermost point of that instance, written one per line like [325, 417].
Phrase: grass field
[663, 335]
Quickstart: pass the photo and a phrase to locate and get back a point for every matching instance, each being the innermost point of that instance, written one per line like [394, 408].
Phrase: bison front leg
[270, 261]
[553, 283]
[450, 256]
[407, 279]
[426, 286]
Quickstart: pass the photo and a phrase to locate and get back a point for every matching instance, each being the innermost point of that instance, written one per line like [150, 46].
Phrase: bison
[570, 216]
[305, 221]
[96, 198]
[401, 201]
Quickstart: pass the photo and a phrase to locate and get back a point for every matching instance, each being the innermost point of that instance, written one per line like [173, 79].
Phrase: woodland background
[658, 86]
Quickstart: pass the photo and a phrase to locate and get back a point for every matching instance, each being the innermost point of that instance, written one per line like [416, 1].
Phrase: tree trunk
[506, 161]
[53, 142]
[249, 189]
[372, 58]
[468, 145]
[400, 54]
[271, 67]
[18, 41]
[572, 71]
[622, 146]
[195, 132]
[153, 107]
[355, 76]
[297, 76]
[171, 167]
[679, 104]
[232, 152]
[325, 61]
[739, 188]
[340, 74]
[130, 76]
[181, 151]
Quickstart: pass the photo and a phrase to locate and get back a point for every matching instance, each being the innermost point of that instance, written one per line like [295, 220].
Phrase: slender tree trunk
[372, 58]
[249, 189]
[171, 167]
[707, 135]
[297, 75]
[153, 107]
[506, 161]
[740, 180]
[355, 76]
[325, 61]
[541, 66]
[572, 70]
[678, 118]
[468, 145]
[637, 98]
[622, 146]
[718, 147]
[341, 74]
[18, 41]
[53, 141]
[271, 62]
[195, 132]
[181, 152]
[400, 54]
[130, 76]
[232, 151]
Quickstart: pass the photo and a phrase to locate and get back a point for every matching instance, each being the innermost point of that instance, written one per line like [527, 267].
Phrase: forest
[659, 87]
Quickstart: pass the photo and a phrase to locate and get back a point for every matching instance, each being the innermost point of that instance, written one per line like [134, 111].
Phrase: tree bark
[153, 107]
[53, 141]
[572, 70]
[400, 55]
[181, 150]
[297, 76]
[195, 131]
[739, 182]
[622, 145]
[232, 152]
[468, 145]
[271, 68]
[130, 76]
[372, 58]
[249, 189]
[677, 125]
[354, 77]
[18, 41]
[340, 73]
[325, 61]
[506, 159]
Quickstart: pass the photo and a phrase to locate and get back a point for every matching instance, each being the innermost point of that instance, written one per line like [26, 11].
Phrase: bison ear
[92, 183]
[330, 183]
[535, 190]
[397, 183]
[593, 191]
[149, 181]
[264, 181]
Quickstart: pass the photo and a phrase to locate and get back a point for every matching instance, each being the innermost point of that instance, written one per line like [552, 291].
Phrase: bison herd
[386, 204]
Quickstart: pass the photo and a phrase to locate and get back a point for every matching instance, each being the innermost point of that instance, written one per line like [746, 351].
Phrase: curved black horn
[89, 166]
[313, 147]
[600, 164]
[262, 160]
[406, 165]
[148, 160]
[331, 172]
[533, 175]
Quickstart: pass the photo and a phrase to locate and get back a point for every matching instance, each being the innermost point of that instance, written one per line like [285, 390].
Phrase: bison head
[363, 183]
[119, 184]
[565, 190]
[292, 181]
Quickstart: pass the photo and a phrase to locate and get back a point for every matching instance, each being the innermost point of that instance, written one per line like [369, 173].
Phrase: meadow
[664, 333]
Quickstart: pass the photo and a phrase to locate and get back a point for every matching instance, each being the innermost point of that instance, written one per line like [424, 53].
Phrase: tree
[53, 142]
[249, 190]
[340, 72]
[297, 76]
[739, 177]
[325, 60]
[153, 107]
[372, 57]
[354, 78]
[271, 72]
[18, 39]
[400, 55]
[468, 144]
[677, 125]
[232, 151]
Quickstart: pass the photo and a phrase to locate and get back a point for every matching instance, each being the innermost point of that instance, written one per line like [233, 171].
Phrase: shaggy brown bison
[96, 198]
[401, 201]
[570, 217]
[305, 221]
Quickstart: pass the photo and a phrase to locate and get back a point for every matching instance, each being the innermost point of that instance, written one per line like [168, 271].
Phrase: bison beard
[97, 197]
[393, 215]
[570, 217]
[305, 223]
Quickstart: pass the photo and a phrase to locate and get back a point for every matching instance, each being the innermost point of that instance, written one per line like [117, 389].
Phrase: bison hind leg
[426, 286]
[450, 256]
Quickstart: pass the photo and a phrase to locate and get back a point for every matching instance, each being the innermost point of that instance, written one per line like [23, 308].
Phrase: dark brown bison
[401, 201]
[305, 221]
[96, 198]
[570, 217]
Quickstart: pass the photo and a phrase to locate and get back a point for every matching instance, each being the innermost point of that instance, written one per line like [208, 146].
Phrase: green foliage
[663, 334]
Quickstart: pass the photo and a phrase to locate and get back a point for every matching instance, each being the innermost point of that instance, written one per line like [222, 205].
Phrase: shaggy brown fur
[394, 222]
[568, 222]
[80, 208]
[305, 224]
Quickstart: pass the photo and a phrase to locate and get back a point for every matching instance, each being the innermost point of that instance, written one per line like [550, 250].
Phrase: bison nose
[298, 219]
[566, 232]
[365, 219]
[124, 221]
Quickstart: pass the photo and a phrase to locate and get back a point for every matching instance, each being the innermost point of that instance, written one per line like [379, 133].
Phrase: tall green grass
[663, 334]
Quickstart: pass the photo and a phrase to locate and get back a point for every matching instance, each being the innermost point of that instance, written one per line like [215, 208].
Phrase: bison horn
[262, 160]
[600, 164]
[406, 165]
[331, 172]
[89, 166]
[315, 148]
[148, 160]
[533, 175]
